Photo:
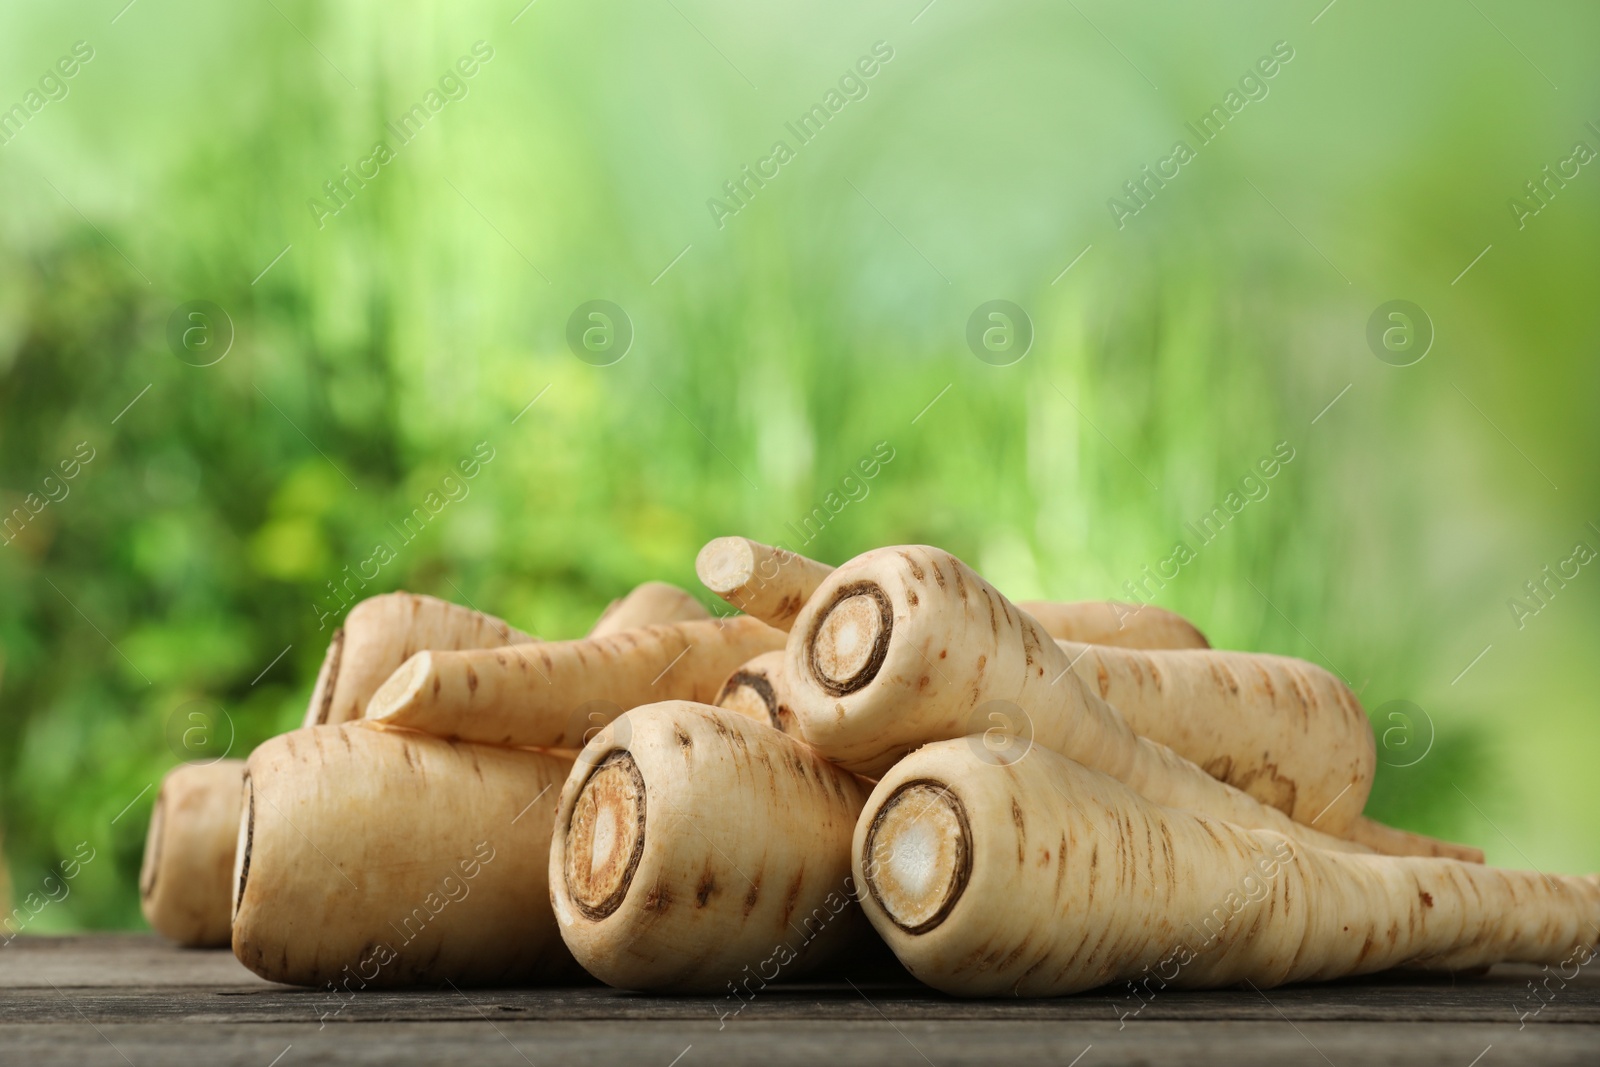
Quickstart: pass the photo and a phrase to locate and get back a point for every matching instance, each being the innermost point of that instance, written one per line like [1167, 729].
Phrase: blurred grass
[421, 319]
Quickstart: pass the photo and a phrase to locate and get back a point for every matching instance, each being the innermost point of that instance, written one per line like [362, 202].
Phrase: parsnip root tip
[605, 836]
[917, 857]
[850, 638]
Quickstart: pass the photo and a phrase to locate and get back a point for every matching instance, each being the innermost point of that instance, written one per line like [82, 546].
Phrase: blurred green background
[376, 346]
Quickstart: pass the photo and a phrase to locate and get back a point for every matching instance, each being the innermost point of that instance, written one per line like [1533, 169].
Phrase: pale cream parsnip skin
[185, 882]
[1264, 724]
[1286, 732]
[370, 857]
[556, 694]
[1109, 622]
[380, 634]
[699, 850]
[1023, 873]
[1272, 726]
[1392, 841]
[770, 583]
[773, 584]
[649, 604]
[903, 646]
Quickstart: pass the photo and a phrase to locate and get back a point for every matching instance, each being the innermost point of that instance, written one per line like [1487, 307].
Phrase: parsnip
[756, 690]
[773, 584]
[186, 880]
[1393, 841]
[1283, 730]
[1040, 877]
[699, 850]
[1110, 622]
[381, 633]
[770, 583]
[552, 694]
[372, 857]
[1287, 732]
[650, 604]
[902, 646]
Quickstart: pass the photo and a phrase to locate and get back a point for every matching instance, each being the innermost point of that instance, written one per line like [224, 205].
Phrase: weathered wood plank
[69, 1000]
[1494, 999]
[779, 1044]
[133, 977]
[121, 960]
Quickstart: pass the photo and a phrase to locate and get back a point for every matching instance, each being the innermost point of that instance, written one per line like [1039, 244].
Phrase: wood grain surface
[132, 999]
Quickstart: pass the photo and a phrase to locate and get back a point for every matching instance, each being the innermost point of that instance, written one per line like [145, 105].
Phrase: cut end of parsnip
[765, 581]
[726, 564]
[918, 855]
[750, 694]
[605, 836]
[401, 688]
[327, 676]
[152, 851]
[850, 638]
[184, 885]
[244, 844]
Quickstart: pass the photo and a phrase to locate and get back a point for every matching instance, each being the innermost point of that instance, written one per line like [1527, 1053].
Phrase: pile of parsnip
[1020, 799]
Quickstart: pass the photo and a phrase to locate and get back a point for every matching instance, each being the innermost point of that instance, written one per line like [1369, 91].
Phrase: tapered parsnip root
[902, 646]
[698, 850]
[374, 857]
[185, 882]
[756, 690]
[773, 584]
[1111, 622]
[1285, 731]
[381, 633]
[1396, 842]
[1040, 877]
[650, 604]
[770, 583]
[556, 694]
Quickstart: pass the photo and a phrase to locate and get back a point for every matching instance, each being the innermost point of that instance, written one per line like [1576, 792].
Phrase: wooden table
[131, 999]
